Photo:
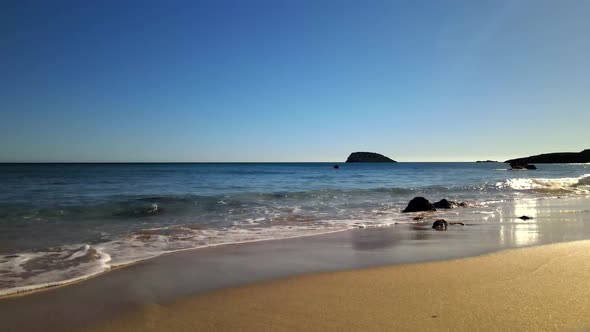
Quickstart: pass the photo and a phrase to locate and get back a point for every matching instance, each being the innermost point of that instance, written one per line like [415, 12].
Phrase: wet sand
[540, 288]
[182, 275]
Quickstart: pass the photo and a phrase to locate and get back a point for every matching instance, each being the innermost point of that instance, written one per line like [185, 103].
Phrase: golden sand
[540, 288]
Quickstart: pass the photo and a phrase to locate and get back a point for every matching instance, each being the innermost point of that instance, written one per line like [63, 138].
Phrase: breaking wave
[55, 266]
[578, 185]
[51, 267]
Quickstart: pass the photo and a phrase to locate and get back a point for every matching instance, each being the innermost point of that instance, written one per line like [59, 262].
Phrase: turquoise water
[60, 222]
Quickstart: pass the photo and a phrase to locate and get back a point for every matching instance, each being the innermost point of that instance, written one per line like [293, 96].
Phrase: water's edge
[448, 241]
[64, 223]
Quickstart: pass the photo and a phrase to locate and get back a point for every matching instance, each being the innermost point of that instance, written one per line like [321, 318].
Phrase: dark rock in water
[418, 218]
[368, 157]
[525, 218]
[519, 165]
[487, 161]
[336, 166]
[446, 204]
[440, 224]
[559, 157]
[418, 204]
[457, 223]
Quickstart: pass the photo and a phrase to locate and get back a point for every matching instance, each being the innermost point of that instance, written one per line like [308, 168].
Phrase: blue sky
[292, 80]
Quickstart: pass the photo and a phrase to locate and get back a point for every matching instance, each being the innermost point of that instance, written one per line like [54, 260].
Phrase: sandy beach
[538, 288]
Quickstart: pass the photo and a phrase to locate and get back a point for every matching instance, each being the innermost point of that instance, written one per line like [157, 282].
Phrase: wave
[206, 207]
[116, 208]
[156, 208]
[577, 185]
[28, 271]
[51, 267]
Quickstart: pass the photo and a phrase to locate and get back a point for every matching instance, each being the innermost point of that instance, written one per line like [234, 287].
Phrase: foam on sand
[43, 269]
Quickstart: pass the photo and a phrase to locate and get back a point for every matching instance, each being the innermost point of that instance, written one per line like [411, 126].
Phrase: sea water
[64, 222]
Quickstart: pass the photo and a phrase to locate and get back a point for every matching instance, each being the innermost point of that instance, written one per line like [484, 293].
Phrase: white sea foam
[578, 185]
[29, 271]
[55, 266]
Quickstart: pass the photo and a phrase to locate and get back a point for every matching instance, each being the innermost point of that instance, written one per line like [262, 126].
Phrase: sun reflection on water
[518, 232]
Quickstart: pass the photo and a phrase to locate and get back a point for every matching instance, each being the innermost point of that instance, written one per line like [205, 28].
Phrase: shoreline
[194, 272]
[27, 290]
[29, 270]
[534, 288]
[30, 289]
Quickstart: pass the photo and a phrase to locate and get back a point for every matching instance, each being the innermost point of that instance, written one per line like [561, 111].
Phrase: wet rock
[525, 217]
[521, 165]
[418, 204]
[446, 204]
[440, 224]
[517, 165]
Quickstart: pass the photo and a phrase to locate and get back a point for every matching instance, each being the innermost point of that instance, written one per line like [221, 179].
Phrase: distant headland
[368, 157]
[556, 158]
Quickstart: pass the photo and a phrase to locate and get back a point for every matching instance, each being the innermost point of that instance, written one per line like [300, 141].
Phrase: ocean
[64, 222]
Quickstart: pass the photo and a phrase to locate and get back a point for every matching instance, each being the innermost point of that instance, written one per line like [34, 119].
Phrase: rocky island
[368, 157]
[557, 158]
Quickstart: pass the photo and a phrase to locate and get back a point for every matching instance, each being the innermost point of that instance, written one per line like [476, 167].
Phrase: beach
[539, 288]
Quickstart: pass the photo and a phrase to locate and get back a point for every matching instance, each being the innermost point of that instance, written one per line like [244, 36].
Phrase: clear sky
[292, 80]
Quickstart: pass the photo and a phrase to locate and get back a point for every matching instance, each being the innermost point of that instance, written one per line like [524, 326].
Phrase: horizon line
[232, 162]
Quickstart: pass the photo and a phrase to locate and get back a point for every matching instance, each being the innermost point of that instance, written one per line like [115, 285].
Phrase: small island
[555, 158]
[487, 161]
[368, 157]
